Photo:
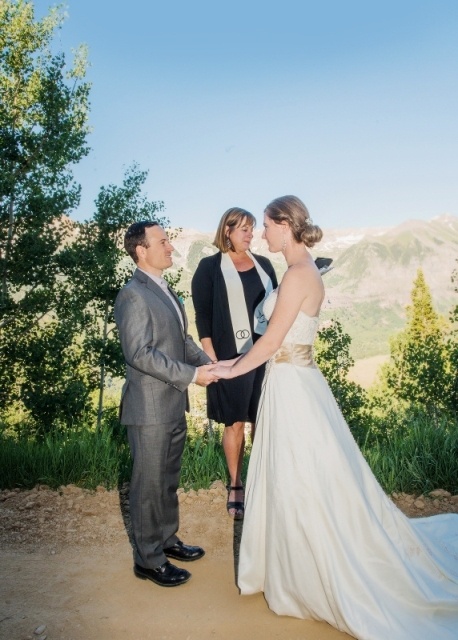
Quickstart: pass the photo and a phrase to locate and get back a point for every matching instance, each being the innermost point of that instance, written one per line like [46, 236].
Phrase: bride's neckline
[308, 316]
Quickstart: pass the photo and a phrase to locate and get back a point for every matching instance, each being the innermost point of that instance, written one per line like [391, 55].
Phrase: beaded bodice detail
[304, 328]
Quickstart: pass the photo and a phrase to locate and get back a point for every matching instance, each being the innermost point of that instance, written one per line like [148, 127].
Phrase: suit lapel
[156, 289]
[181, 308]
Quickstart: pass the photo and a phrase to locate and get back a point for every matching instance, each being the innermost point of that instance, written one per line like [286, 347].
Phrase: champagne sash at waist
[301, 355]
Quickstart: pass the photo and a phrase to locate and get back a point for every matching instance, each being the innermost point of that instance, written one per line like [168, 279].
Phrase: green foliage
[174, 280]
[420, 373]
[369, 324]
[79, 457]
[420, 456]
[89, 458]
[55, 384]
[417, 457]
[332, 353]
[96, 267]
[59, 279]
[203, 458]
[43, 129]
[452, 349]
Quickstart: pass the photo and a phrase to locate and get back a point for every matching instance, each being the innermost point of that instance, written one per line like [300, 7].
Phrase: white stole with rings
[237, 306]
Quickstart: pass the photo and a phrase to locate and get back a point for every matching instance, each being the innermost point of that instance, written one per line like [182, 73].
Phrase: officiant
[228, 291]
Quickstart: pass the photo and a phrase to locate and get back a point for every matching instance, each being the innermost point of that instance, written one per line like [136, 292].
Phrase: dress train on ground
[320, 537]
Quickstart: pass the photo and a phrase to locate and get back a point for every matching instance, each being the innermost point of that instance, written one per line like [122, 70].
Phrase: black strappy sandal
[235, 504]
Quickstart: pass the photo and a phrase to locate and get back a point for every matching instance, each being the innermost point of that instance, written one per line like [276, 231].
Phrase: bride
[320, 537]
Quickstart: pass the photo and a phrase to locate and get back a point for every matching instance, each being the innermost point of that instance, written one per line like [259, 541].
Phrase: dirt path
[66, 565]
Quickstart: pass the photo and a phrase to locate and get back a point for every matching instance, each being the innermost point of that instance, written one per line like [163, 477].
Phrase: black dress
[235, 400]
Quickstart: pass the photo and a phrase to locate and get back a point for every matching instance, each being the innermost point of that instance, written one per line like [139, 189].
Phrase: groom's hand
[205, 376]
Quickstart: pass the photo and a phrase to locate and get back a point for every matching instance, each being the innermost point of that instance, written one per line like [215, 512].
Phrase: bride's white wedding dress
[320, 537]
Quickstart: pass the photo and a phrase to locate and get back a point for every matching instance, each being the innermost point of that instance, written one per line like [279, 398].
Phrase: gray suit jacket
[160, 356]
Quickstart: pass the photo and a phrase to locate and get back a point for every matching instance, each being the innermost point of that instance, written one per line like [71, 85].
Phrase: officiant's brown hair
[232, 219]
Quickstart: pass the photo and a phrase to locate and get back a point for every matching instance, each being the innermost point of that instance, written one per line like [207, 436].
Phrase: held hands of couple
[206, 375]
[223, 368]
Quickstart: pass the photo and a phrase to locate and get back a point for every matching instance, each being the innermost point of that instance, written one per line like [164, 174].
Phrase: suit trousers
[156, 452]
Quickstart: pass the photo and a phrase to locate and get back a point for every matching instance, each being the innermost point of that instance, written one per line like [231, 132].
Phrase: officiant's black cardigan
[211, 304]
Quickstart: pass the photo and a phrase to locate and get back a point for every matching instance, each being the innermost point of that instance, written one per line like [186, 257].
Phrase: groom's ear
[140, 251]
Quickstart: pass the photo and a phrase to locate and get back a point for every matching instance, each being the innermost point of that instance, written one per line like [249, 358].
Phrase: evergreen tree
[418, 373]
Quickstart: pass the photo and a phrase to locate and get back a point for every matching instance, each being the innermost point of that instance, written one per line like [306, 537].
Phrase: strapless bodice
[304, 328]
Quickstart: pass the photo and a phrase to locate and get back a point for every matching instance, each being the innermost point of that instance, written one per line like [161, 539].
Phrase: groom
[161, 362]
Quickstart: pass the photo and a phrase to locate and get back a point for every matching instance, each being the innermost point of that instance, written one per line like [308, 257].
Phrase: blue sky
[350, 105]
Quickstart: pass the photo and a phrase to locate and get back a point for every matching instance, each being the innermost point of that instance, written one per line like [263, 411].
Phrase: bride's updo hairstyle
[293, 211]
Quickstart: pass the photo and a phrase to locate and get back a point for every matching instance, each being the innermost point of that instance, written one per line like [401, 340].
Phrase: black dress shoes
[167, 575]
[184, 552]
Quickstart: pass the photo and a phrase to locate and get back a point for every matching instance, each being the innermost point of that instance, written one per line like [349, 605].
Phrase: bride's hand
[223, 368]
[221, 372]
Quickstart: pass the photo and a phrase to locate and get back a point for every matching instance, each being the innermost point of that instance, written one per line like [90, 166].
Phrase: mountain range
[372, 277]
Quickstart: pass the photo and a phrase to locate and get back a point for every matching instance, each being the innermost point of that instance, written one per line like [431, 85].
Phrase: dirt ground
[66, 572]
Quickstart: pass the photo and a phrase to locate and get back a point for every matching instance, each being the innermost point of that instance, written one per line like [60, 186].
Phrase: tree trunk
[102, 367]
[9, 242]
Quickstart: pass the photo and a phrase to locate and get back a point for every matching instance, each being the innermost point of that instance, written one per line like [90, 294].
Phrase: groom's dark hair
[135, 236]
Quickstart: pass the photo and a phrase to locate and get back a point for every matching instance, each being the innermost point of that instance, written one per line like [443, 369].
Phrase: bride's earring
[283, 246]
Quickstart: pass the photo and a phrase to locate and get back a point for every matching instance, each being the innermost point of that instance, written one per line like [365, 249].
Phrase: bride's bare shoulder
[303, 282]
[301, 289]
[304, 271]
